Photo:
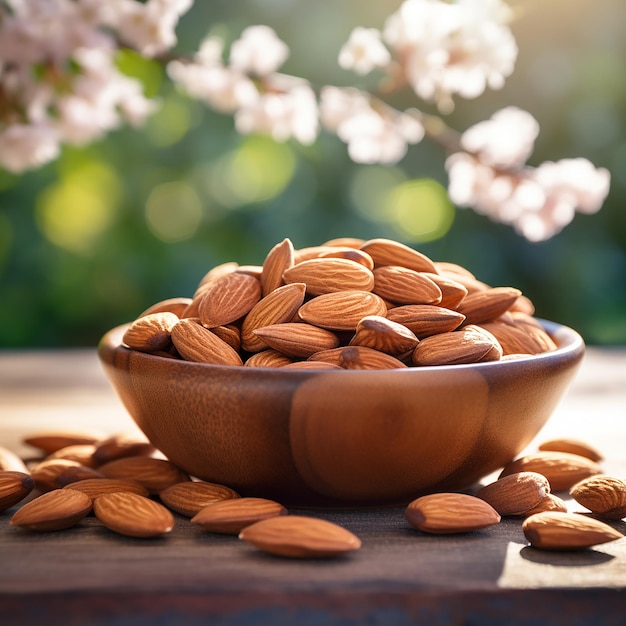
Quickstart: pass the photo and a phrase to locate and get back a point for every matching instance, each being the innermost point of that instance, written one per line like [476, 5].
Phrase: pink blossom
[364, 51]
[258, 51]
[24, 146]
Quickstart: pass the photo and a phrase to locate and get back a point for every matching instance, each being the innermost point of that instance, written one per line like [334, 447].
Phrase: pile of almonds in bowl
[133, 490]
[348, 303]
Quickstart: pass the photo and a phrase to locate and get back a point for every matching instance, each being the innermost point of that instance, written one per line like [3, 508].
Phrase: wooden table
[88, 575]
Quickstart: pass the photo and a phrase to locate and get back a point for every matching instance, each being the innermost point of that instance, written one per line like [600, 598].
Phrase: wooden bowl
[341, 437]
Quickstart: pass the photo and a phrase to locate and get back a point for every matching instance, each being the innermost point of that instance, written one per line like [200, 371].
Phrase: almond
[228, 298]
[232, 516]
[573, 446]
[352, 254]
[155, 475]
[14, 487]
[347, 242]
[555, 530]
[328, 275]
[297, 339]
[389, 252]
[121, 445]
[380, 333]
[342, 310]
[424, 320]
[194, 342]
[268, 358]
[177, 306]
[603, 495]
[229, 334]
[191, 497]
[278, 259]
[52, 441]
[133, 515]
[447, 267]
[358, 358]
[81, 453]
[404, 286]
[516, 493]
[562, 469]
[514, 339]
[451, 348]
[94, 487]
[54, 510]
[487, 305]
[214, 274]
[300, 536]
[150, 332]
[312, 365]
[551, 502]
[278, 307]
[446, 513]
[9, 461]
[56, 473]
[452, 291]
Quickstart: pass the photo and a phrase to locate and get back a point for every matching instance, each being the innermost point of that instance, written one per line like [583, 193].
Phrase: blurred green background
[91, 240]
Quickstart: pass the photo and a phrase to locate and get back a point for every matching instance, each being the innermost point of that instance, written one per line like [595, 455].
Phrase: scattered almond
[133, 515]
[94, 487]
[54, 510]
[232, 516]
[9, 461]
[446, 513]
[189, 498]
[49, 442]
[155, 475]
[603, 495]
[562, 469]
[573, 446]
[551, 502]
[516, 493]
[81, 453]
[121, 445]
[14, 487]
[555, 530]
[56, 473]
[300, 536]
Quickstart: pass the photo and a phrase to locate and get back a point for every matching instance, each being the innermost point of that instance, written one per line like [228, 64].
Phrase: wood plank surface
[89, 575]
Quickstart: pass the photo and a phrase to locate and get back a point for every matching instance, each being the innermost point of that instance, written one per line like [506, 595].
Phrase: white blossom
[507, 139]
[25, 146]
[258, 51]
[460, 48]
[364, 51]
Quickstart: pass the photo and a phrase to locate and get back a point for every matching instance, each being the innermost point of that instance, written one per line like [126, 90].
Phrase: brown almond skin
[380, 333]
[516, 493]
[555, 530]
[55, 510]
[448, 513]
[49, 442]
[562, 469]
[299, 536]
[121, 445]
[268, 358]
[298, 340]
[328, 275]
[352, 254]
[573, 446]
[81, 453]
[232, 516]
[151, 332]
[404, 286]
[189, 498]
[171, 305]
[196, 343]
[603, 495]
[514, 339]
[278, 307]
[452, 291]
[229, 298]
[133, 515]
[487, 305]
[342, 310]
[389, 252]
[94, 487]
[278, 259]
[14, 487]
[551, 502]
[359, 358]
[155, 475]
[424, 320]
[56, 473]
[453, 348]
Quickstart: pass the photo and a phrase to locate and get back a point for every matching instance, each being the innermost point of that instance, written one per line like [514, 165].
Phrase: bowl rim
[570, 345]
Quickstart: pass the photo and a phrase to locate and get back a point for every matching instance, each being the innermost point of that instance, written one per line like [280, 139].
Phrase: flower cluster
[59, 83]
[58, 78]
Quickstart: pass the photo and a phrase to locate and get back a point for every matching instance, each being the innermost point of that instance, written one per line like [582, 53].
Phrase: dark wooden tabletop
[89, 575]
